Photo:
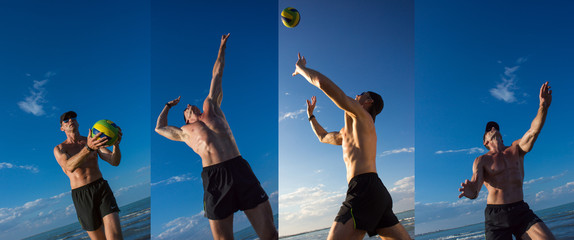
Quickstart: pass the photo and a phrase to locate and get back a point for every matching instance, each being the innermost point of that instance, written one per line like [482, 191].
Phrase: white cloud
[30, 216]
[506, 89]
[395, 151]
[122, 190]
[543, 179]
[467, 150]
[403, 194]
[33, 103]
[143, 169]
[175, 179]
[181, 228]
[566, 188]
[12, 166]
[292, 115]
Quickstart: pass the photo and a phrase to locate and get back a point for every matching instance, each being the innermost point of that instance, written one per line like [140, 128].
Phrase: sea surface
[407, 219]
[134, 217]
[559, 219]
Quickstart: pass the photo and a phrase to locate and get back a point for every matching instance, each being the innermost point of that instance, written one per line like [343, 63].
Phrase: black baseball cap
[491, 125]
[68, 115]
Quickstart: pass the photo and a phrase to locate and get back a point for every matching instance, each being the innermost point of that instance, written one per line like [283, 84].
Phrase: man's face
[69, 125]
[363, 97]
[491, 135]
[192, 113]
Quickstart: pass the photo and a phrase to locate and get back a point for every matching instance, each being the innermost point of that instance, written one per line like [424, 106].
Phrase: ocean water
[134, 217]
[407, 219]
[559, 219]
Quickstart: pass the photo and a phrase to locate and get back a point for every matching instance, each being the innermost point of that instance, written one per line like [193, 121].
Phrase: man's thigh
[396, 231]
[222, 229]
[538, 231]
[261, 218]
[344, 231]
[112, 226]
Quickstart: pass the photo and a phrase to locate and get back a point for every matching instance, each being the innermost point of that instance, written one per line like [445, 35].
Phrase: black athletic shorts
[504, 220]
[368, 203]
[230, 186]
[93, 201]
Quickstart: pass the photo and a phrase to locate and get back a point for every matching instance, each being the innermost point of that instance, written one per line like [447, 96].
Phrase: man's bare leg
[113, 227]
[97, 234]
[222, 229]
[396, 231]
[261, 218]
[345, 231]
[538, 231]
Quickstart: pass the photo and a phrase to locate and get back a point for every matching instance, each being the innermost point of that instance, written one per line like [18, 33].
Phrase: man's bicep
[333, 138]
[171, 133]
[527, 141]
[61, 156]
[478, 173]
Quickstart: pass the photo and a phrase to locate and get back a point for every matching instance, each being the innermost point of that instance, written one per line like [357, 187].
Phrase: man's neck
[73, 137]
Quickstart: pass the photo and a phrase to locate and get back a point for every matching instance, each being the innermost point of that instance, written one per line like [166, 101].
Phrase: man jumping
[368, 203]
[93, 198]
[229, 184]
[502, 172]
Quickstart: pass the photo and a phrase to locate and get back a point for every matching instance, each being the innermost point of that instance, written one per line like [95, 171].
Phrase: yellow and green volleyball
[108, 129]
[290, 17]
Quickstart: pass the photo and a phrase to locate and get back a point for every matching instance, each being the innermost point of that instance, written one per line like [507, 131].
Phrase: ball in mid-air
[290, 17]
[108, 129]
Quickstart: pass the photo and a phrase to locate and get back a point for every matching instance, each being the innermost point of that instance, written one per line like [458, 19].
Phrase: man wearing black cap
[229, 183]
[94, 200]
[502, 172]
[368, 205]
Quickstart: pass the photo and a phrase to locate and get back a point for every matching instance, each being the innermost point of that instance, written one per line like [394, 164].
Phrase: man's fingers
[460, 195]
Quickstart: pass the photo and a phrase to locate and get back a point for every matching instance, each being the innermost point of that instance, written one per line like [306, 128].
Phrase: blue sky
[481, 62]
[55, 57]
[185, 40]
[360, 46]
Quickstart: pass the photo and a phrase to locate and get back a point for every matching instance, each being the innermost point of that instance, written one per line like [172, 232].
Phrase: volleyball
[108, 129]
[290, 17]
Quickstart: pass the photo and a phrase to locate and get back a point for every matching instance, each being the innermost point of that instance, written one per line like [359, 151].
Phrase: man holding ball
[93, 198]
[368, 205]
[229, 184]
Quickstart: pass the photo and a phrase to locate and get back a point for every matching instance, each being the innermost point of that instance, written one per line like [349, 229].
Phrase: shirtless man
[229, 184]
[368, 202]
[93, 198]
[502, 172]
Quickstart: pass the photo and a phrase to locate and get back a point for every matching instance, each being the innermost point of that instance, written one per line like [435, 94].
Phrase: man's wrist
[311, 117]
[167, 105]
[89, 149]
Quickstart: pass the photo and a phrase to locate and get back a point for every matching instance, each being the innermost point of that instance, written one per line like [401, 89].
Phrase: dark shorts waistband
[507, 205]
[224, 163]
[363, 175]
[98, 181]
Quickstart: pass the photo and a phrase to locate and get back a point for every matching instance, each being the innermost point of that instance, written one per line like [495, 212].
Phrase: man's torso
[359, 146]
[211, 138]
[88, 172]
[504, 175]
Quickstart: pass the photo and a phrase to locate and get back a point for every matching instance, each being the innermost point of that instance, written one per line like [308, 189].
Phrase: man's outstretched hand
[299, 65]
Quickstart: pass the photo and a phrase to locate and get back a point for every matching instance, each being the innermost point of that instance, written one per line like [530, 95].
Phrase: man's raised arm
[215, 91]
[161, 127]
[527, 141]
[324, 136]
[329, 88]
